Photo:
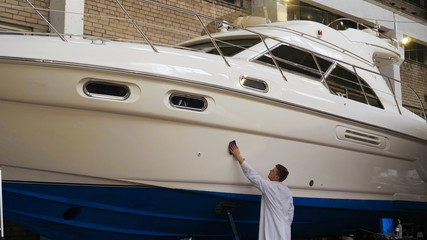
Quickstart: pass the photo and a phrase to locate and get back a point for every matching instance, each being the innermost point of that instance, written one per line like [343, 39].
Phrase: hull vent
[365, 138]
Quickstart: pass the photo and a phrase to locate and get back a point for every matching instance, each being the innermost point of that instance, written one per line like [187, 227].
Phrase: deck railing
[361, 26]
[263, 38]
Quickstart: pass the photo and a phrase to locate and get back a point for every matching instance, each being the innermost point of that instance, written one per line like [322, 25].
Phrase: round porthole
[72, 213]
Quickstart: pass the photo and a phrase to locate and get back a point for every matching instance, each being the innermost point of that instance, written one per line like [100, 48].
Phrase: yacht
[103, 139]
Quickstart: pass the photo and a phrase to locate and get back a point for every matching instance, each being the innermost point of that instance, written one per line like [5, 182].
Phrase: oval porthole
[254, 84]
[106, 90]
[188, 102]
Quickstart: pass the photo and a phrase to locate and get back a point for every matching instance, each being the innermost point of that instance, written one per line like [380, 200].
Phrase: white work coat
[277, 208]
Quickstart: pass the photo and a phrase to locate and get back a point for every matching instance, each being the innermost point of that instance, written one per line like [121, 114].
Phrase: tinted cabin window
[296, 60]
[340, 81]
[370, 94]
[228, 47]
[346, 84]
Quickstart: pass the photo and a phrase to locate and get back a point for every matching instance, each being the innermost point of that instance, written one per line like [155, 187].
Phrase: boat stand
[226, 208]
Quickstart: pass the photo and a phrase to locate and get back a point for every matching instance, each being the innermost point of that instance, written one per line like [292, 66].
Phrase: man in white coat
[277, 208]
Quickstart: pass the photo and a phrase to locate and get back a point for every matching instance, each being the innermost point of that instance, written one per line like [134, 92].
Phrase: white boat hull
[54, 129]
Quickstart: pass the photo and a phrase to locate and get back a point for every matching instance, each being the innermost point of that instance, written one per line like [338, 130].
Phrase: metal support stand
[233, 225]
[226, 208]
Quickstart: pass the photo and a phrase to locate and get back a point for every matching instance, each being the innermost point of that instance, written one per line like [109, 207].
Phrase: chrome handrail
[361, 85]
[349, 19]
[273, 58]
[217, 21]
[419, 99]
[137, 26]
[394, 95]
[213, 41]
[363, 25]
[47, 22]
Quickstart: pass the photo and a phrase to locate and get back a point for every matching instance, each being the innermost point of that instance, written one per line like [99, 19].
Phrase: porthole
[188, 102]
[106, 90]
[254, 84]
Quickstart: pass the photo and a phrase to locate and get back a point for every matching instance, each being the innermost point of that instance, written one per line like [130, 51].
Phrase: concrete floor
[13, 231]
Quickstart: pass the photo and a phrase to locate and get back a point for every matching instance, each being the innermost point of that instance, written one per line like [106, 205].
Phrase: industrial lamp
[405, 40]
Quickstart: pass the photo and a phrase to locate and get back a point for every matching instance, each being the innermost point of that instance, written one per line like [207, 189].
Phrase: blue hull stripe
[91, 212]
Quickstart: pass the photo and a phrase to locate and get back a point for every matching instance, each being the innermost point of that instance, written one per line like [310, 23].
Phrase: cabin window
[188, 102]
[340, 81]
[106, 90]
[296, 60]
[254, 84]
[346, 84]
[228, 47]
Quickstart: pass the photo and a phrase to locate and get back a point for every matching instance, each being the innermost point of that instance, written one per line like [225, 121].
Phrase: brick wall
[18, 12]
[415, 75]
[106, 18]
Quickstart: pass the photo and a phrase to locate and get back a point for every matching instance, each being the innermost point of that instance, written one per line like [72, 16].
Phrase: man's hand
[236, 153]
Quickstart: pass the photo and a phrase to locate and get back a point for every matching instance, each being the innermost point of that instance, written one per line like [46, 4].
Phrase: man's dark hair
[282, 172]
